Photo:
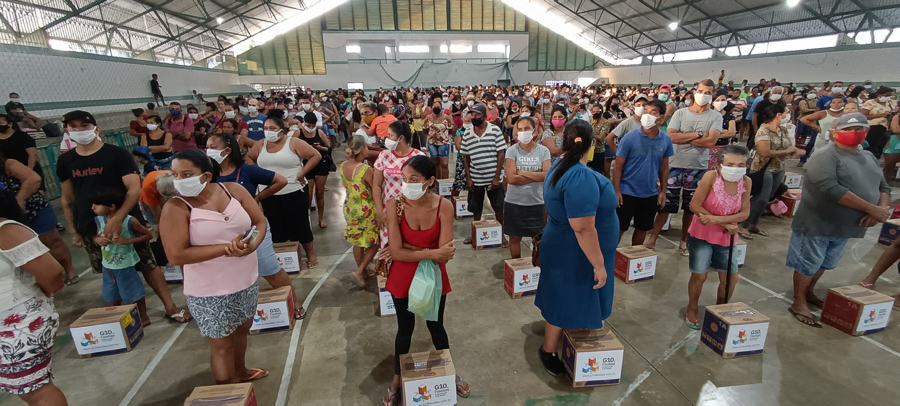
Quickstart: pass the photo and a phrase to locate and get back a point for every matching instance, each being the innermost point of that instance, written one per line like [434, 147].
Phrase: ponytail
[577, 136]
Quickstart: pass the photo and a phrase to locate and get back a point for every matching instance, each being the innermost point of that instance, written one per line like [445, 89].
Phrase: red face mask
[850, 138]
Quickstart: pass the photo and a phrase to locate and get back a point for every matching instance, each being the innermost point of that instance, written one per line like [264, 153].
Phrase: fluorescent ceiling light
[219, 20]
[492, 48]
[353, 49]
[293, 19]
[387, 49]
[460, 48]
[443, 49]
[415, 49]
[693, 55]
[793, 3]
[673, 25]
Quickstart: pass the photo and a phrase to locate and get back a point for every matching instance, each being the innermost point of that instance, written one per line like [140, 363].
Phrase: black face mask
[4, 128]
[477, 122]
[597, 116]
[436, 110]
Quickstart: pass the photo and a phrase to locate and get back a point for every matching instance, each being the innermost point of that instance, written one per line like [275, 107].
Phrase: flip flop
[391, 394]
[684, 251]
[746, 236]
[311, 265]
[71, 281]
[299, 313]
[691, 325]
[504, 244]
[184, 318]
[867, 285]
[260, 374]
[464, 385]
[760, 232]
[809, 321]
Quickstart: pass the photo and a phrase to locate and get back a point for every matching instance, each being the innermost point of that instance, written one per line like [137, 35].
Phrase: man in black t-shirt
[92, 166]
[16, 110]
[771, 97]
[155, 89]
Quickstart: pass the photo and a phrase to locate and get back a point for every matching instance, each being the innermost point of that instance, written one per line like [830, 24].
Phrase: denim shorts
[705, 255]
[439, 151]
[265, 256]
[809, 253]
[122, 284]
[44, 221]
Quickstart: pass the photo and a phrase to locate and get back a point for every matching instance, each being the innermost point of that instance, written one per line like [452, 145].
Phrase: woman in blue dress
[578, 246]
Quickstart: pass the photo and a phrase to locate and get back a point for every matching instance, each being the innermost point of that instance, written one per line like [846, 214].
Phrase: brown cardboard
[487, 234]
[428, 376]
[460, 206]
[856, 310]
[520, 277]
[107, 330]
[239, 394]
[274, 311]
[445, 187]
[593, 357]
[734, 329]
[289, 256]
[635, 264]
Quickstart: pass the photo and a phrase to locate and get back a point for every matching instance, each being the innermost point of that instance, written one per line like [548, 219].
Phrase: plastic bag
[425, 291]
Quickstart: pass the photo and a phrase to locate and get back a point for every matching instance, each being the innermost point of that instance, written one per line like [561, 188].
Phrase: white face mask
[254, 109]
[884, 99]
[272, 136]
[189, 187]
[318, 104]
[391, 144]
[309, 128]
[305, 106]
[470, 126]
[837, 89]
[639, 111]
[836, 110]
[471, 103]
[525, 137]
[499, 103]
[719, 105]
[868, 86]
[648, 121]
[243, 109]
[786, 119]
[387, 99]
[525, 114]
[732, 174]
[216, 155]
[702, 99]
[193, 116]
[229, 114]
[817, 89]
[663, 97]
[152, 127]
[775, 96]
[413, 191]
[83, 137]
[445, 98]
[810, 95]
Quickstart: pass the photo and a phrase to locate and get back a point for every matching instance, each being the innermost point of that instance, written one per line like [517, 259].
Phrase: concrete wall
[53, 82]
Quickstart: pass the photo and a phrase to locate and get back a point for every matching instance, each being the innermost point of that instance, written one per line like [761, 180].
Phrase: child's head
[105, 202]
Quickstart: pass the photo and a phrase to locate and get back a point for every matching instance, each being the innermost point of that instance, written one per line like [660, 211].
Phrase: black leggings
[406, 323]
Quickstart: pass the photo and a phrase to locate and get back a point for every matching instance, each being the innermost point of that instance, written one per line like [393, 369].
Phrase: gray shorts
[219, 316]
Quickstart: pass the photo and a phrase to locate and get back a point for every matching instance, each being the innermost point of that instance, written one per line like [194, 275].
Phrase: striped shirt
[482, 152]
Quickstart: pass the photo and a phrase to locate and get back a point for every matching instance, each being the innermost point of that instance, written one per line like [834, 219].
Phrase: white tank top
[284, 162]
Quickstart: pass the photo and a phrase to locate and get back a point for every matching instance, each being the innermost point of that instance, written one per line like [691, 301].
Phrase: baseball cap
[851, 120]
[665, 87]
[480, 108]
[641, 96]
[143, 152]
[79, 115]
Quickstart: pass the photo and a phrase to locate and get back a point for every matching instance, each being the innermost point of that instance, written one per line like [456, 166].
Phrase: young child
[359, 208]
[721, 201]
[121, 284]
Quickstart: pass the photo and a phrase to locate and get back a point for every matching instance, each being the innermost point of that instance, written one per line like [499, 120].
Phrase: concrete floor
[343, 351]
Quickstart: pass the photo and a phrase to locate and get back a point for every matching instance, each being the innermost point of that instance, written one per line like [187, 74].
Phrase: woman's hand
[600, 277]
[301, 179]
[385, 255]
[445, 253]
[381, 220]
[707, 219]
[238, 248]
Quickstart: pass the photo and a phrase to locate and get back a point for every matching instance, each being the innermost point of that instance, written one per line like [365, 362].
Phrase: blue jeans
[704, 255]
[439, 151]
[122, 284]
[809, 253]
[810, 141]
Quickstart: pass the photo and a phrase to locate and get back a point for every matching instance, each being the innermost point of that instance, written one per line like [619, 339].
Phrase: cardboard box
[734, 330]
[239, 394]
[385, 300]
[635, 264]
[274, 311]
[107, 330]
[461, 203]
[856, 310]
[173, 273]
[791, 203]
[889, 231]
[288, 256]
[428, 378]
[740, 252]
[793, 180]
[593, 357]
[487, 234]
[520, 277]
[445, 186]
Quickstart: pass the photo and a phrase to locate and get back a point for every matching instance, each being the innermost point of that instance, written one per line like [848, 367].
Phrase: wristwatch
[699, 134]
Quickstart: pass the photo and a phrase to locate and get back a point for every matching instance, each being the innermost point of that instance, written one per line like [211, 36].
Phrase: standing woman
[805, 107]
[438, 126]
[821, 122]
[388, 173]
[526, 165]
[29, 276]
[877, 110]
[359, 207]
[203, 230]
[459, 178]
[553, 137]
[223, 149]
[289, 207]
[578, 245]
[317, 139]
[425, 225]
[773, 147]
[160, 143]
[456, 112]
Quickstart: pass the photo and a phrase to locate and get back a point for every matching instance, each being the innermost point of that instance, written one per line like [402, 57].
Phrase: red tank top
[402, 273]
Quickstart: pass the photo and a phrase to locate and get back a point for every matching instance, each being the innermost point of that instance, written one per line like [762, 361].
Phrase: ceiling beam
[597, 26]
[72, 13]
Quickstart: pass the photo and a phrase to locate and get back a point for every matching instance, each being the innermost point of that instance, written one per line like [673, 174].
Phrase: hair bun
[276, 113]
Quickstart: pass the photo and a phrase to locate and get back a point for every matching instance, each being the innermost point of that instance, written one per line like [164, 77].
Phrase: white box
[288, 256]
[793, 180]
[428, 378]
[173, 273]
[385, 300]
[461, 204]
[635, 264]
[274, 311]
[592, 357]
[445, 187]
[107, 330]
[740, 252]
[487, 234]
[520, 277]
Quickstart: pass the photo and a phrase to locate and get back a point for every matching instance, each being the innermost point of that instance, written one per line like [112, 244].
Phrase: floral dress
[359, 209]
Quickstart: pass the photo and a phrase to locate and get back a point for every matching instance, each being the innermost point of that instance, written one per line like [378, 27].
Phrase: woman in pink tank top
[205, 229]
[721, 201]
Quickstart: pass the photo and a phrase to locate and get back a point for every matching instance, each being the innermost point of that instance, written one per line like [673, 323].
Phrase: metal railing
[48, 154]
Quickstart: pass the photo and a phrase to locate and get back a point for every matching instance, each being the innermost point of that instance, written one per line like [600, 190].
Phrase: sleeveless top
[17, 286]
[402, 273]
[118, 256]
[825, 124]
[158, 143]
[316, 139]
[283, 162]
[221, 275]
[719, 203]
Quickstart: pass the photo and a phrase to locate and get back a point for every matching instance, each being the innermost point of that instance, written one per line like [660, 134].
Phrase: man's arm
[68, 206]
[709, 139]
[663, 180]
[132, 183]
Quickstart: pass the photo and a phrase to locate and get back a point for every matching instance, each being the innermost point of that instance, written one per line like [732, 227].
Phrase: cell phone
[251, 235]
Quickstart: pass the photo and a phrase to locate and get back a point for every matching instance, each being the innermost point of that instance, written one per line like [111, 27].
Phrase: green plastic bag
[425, 291]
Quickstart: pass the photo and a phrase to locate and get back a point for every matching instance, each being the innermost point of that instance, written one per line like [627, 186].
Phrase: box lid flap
[737, 313]
[601, 339]
[286, 246]
[426, 365]
[102, 315]
[519, 263]
[274, 295]
[636, 251]
[220, 395]
[861, 295]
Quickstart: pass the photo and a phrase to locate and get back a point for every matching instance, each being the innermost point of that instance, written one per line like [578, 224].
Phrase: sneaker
[551, 362]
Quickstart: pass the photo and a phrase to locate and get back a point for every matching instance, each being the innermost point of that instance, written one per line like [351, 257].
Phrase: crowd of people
[213, 186]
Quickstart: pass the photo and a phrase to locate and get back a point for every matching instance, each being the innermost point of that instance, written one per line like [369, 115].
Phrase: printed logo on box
[598, 365]
[431, 391]
[387, 303]
[490, 236]
[746, 337]
[526, 280]
[99, 338]
[793, 181]
[874, 316]
[444, 188]
[462, 208]
[642, 268]
[288, 261]
[740, 252]
[269, 315]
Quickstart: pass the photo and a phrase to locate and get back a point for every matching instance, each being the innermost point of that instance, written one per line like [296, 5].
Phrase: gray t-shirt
[625, 127]
[830, 173]
[530, 194]
[688, 155]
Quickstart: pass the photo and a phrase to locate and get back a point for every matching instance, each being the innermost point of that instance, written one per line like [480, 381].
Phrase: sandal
[462, 388]
[71, 281]
[467, 241]
[867, 285]
[746, 236]
[389, 399]
[760, 232]
[185, 317]
[809, 321]
[505, 243]
[693, 326]
[311, 264]
[260, 374]
[683, 251]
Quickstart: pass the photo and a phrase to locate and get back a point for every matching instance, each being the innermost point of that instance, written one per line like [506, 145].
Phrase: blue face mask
[175, 112]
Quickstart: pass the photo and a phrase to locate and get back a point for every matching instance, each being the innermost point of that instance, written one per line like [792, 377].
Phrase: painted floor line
[152, 365]
[86, 271]
[631, 388]
[295, 335]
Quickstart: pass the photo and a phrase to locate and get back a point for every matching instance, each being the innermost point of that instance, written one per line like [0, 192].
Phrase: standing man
[484, 147]
[694, 130]
[90, 167]
[844, 194]
[665, 95]
[628, 125]
[837, 90]
[155, 89]
[771, 97]
[641, 160]
[181, 127]
[255, 120]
